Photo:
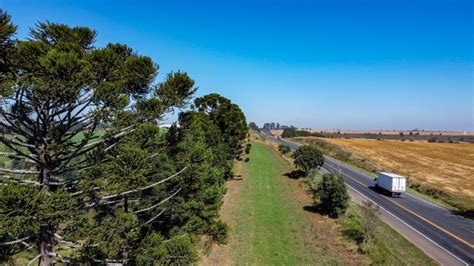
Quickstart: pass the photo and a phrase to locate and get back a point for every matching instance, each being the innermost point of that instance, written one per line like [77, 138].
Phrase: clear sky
[380, 64]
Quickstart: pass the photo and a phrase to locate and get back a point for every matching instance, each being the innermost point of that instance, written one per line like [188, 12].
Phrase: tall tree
[7, 51]
[228, 117]
[201, 148]
[59, 89]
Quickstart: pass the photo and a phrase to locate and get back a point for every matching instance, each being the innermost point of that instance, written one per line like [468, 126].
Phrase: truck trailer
[390, 183]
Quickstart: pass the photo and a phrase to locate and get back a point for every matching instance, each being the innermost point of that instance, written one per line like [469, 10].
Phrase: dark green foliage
[219, 232]
[200, 147]
[332, 194]
[308, 158]
[283, 149]
[7, 51]
[228, 118]
[254, 127]
[155, 250]
[248, 146]
[176, 90]
[291, 133]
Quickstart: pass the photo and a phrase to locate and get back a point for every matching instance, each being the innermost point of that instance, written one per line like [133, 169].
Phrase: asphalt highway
[451, 232]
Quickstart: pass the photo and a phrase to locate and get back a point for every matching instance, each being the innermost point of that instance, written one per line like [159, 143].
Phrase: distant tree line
[134, 194]
[291, 133]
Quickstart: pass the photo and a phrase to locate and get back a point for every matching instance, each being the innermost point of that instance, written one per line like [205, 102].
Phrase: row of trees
[132, 193]
[291, 133]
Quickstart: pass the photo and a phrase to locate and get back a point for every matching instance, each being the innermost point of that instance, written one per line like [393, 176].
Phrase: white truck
[390, 183]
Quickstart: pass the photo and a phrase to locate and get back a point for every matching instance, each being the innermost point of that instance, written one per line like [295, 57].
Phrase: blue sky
[352, 64]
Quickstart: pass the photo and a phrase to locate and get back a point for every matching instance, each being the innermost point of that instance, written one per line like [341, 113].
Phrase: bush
[247, 148]
[219, 232]
[283, 149]
[308, 158]
[332, 194]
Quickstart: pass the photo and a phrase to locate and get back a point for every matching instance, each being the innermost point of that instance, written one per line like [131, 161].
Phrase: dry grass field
[446, 166]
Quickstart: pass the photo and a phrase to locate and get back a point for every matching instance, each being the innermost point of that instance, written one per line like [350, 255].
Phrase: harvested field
[446, 166]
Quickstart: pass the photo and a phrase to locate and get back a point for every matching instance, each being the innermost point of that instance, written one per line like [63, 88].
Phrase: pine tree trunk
[45, 246]
[125, 203]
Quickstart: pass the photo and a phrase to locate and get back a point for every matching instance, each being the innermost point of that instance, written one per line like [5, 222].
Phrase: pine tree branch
[158, 204]
[18, 171]
[16, 240]
[28, 246]
[155, 217]
[17, 143]
[143, 188]
[57, 255]
[18, 180]
[18, 151]
[33, 260]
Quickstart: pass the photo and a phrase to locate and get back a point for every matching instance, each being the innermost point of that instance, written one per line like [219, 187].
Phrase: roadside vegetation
[74, 191]
[359, 223]
[425, 165]
[277, 217]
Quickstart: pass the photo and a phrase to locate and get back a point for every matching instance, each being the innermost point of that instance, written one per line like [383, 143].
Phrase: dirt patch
[221, 254]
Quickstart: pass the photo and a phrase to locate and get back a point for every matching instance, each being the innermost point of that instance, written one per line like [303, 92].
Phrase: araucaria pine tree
[58, 92]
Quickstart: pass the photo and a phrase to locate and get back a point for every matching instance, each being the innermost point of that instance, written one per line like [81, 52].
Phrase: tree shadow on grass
[318, 208]
[313, 209]
[236, 177]
[295, 174]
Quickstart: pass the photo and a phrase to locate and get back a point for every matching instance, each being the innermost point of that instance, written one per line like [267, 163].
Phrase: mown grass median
[271, 229]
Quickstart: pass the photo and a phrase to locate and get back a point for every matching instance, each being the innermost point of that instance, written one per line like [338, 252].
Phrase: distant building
[276, 126]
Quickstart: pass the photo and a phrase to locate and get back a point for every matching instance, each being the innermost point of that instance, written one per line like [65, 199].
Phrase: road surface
[451, 234]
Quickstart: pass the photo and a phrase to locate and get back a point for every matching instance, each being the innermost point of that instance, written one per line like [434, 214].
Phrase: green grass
[271, 229]
[388, 247]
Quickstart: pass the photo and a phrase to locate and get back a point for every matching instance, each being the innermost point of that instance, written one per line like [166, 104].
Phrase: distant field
[446, 166]
[5, 161]
[387, 132]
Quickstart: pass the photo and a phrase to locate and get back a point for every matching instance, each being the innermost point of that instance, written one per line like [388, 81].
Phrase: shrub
[283, 149]
[369, 221]
[332, 194]
[247, 148]
[308, 158]
[219, 232]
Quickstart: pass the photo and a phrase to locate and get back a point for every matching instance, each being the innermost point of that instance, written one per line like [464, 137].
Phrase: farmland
[443, 165]
[388, 132]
